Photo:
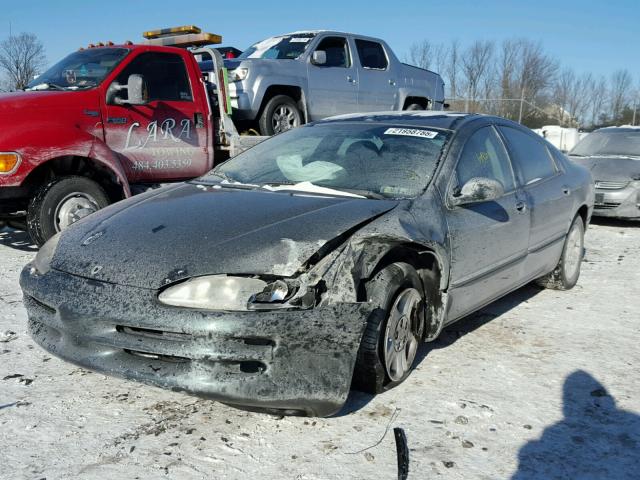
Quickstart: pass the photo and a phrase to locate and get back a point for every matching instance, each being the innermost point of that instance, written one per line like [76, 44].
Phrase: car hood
[611, 168]
[190, 229]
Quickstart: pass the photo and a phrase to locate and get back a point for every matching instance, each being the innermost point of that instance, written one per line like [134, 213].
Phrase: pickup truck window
[484, 156]
[530, 154]
[83, 69]
[337, 50]
[372, 160]
[286, 47]
[371, 55]
[164, 73]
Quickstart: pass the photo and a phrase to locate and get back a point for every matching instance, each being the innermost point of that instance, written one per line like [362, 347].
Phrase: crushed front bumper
[620, 203]
[298, 362]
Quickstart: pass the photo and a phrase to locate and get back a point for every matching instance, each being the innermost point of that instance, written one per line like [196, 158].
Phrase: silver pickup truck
[285, 81]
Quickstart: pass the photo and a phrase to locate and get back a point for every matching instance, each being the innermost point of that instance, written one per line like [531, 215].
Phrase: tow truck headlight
[222, 292]
[238, 74]
[9, 162]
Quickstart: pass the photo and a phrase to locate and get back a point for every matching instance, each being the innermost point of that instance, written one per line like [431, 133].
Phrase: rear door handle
[350, 79]
[392, 82]
[521, 207]
[566, 190]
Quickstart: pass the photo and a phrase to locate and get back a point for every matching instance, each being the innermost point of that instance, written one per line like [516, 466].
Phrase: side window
[484, 156]
[530, 154]
[371, 55]
[337, 51]
[164, 73]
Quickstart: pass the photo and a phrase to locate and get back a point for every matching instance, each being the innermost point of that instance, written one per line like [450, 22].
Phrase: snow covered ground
[541, 384]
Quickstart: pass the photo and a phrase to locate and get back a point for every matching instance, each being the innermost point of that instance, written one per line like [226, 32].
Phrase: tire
[414, 106]
[394, 288]
[281, 113]
[566, 274]
[60, 203]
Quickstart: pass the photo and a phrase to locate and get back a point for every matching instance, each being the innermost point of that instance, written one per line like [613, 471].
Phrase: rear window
[371, 55]
[530, 154]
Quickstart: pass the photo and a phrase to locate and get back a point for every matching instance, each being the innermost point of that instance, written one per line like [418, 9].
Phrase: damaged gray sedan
[317, 260]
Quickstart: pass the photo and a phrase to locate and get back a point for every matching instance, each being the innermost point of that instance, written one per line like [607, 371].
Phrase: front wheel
[414, 106]
[60, 203]
[281, 113]
[566, 274]
[394, 329]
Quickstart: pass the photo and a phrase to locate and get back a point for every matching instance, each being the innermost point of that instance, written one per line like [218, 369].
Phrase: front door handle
[350, 79]
[521, 207]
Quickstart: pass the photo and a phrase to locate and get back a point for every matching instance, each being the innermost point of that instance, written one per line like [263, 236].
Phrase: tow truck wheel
[280, 114]
[60, 203]
[394, 329]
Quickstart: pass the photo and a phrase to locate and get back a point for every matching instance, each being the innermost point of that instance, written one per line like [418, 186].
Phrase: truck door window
[530, 154]
[484, 156]
[164, 73]
[337, 51]
[371, 55]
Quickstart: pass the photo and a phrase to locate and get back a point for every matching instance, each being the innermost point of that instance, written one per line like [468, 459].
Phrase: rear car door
[333, 87]
[164, 139]
[547, 194]
[488, 240]
[377, 88]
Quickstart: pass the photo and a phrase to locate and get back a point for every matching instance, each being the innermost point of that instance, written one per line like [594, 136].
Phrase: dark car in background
[318, 259]
[612, 155]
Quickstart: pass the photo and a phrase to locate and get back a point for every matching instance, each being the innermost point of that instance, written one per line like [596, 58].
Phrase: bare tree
[21, 58]
[597, 97]
[452, 70]
[619, 91]
[475, 65]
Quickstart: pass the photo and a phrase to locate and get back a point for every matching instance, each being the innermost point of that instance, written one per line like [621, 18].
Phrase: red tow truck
[109, 121]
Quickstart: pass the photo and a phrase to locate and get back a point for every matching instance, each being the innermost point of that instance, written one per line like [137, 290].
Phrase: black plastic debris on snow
[402, 451]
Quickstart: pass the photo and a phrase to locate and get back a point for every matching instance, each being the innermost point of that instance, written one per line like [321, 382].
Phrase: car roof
[431, 118]
[623, 128]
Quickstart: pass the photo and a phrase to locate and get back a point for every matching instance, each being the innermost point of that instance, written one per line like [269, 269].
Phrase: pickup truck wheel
[280, 114]
[394, 329]
[60, 203]
[565, 275]
[414, 106]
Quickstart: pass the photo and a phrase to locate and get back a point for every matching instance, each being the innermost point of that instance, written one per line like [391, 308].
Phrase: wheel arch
[422, 101]
[293, 91]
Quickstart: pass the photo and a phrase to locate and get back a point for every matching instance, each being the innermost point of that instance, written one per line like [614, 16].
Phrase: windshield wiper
[45, 86]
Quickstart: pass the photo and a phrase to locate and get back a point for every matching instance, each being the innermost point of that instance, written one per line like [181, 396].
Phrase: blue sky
[588, 36]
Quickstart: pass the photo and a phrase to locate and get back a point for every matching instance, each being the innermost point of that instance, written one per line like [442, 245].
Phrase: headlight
[42, 263]
[222, 292]
[238, 74]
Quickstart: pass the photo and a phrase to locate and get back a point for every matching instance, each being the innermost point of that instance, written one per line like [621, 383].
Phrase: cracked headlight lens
[42, 263]
[224, 292]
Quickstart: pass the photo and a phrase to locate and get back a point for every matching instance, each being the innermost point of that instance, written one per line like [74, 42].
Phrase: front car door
[547, 195]
[333, 86]
[488, 240]
[163, 139]
[377, 90]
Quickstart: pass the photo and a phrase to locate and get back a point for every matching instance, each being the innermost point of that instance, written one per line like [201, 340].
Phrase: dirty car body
[249, 285]
[613, 156]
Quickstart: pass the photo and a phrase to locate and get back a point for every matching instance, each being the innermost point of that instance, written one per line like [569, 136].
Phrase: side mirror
[478, 189]
[137, 92]
[319, 57]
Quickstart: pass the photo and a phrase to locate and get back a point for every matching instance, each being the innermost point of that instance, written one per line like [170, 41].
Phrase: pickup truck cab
[108, 121]
[285, 81]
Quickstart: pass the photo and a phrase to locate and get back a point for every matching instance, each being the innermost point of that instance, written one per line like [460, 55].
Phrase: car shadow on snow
[595, 439]
[615, 222]
[357, 400]
[17, 239]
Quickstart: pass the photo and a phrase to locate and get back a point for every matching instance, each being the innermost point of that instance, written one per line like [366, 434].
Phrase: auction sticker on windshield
[411, 132]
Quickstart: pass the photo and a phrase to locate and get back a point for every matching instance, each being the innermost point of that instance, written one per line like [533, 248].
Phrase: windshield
[82, 69]
[282, 48]
[373, 160]
[621, 143]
